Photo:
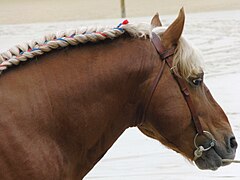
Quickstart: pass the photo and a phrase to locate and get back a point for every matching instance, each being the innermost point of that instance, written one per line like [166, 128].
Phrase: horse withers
[64, 109]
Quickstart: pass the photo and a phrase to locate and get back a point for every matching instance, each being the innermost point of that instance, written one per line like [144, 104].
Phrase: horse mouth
[213, 159]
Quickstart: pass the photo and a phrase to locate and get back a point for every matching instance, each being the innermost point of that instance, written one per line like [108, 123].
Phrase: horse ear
[171, 36]
[156, 21]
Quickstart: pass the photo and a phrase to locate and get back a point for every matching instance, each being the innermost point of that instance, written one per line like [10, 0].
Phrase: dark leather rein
[166, 55]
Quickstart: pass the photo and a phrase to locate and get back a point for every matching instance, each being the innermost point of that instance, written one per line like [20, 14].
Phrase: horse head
[198, 129]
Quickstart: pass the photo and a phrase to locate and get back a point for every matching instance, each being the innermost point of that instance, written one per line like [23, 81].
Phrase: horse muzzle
[214, 154]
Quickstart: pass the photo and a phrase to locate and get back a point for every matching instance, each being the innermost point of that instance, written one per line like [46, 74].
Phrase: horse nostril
[233, 143]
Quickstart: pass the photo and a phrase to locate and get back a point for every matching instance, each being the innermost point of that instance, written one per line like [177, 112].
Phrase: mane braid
[187, 58]
[49, 42]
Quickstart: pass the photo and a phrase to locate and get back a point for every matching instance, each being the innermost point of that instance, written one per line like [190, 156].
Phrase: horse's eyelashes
[197, 81]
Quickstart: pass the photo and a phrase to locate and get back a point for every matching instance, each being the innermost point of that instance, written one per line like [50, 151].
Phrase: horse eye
[197, 81]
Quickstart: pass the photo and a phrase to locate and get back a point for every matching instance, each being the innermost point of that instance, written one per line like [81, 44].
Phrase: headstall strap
[167, 55]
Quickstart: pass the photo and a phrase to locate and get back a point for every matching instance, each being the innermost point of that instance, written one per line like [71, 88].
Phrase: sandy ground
[30, 11]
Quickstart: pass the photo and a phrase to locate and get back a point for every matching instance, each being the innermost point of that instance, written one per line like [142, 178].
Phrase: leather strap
[183, 86]
[142, 110]
[151, 92]
[166, 56]
[163, 53]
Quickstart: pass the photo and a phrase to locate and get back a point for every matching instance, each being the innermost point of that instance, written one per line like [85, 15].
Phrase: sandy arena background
[31, 11]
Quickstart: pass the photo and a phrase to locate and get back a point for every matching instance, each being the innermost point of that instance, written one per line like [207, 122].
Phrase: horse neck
[123, 67]
[88, 95]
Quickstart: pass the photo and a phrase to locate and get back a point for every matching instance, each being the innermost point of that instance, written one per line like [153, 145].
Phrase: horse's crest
[186, 58]
[49, 42]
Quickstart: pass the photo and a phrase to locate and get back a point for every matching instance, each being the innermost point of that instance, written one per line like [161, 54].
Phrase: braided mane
[186, 58]
[82, 35]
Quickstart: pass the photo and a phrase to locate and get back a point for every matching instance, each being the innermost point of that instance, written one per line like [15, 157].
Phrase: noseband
[166, 55]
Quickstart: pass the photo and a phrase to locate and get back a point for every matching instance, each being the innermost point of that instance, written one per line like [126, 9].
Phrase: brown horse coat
[61, 112]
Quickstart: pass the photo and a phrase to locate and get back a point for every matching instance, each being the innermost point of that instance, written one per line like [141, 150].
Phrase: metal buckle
[200, 149]
[172, 69]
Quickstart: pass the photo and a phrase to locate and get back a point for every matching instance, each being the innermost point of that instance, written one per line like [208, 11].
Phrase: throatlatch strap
[151, 92]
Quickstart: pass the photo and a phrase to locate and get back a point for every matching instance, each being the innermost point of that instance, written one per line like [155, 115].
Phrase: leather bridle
[166, 55]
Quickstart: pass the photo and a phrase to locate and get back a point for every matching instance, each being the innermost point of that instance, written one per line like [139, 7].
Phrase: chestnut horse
[63, 110]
